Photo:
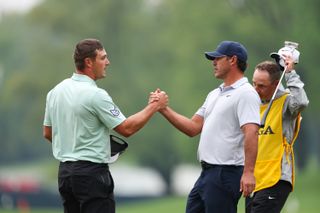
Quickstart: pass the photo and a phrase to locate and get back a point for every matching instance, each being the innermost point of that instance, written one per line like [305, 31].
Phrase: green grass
[32, 211]
[168, 204]
[304, 199]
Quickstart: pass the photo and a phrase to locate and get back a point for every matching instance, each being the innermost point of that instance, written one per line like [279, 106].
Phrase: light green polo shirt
[81, 116]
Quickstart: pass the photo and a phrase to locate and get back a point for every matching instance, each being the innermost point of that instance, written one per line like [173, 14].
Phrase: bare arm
[47, 133]
[247, 183]
[190, 127]
[135, 122]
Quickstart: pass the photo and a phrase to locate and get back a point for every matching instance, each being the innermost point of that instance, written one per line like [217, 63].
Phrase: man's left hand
[247, 184]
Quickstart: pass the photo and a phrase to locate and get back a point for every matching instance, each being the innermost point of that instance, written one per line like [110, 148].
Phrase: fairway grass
[304, 199]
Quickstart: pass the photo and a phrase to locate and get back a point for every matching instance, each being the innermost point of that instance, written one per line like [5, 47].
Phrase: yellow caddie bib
[272, 145]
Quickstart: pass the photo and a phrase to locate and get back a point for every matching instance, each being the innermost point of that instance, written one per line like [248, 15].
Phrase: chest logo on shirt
[115, 111]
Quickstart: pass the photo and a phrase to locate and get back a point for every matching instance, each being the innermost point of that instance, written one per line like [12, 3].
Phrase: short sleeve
[249, 108]
[106, 110]
[201, 110]
[210, 97]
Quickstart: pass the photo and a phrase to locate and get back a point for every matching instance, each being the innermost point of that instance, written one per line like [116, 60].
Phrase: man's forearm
[135, 122]
[190, 127]
[47, 133]
[250, 148]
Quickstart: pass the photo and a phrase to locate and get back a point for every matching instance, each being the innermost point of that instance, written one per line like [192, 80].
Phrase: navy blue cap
[228, 48]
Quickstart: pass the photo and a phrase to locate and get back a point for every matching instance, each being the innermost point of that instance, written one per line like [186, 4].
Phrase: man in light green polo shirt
[78, 119]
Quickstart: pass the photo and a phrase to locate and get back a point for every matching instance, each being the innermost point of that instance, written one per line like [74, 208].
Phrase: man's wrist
[248, 169]
[154, 106]
[164, 110]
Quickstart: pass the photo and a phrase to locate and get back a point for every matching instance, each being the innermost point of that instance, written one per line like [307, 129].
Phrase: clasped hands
[159, 98]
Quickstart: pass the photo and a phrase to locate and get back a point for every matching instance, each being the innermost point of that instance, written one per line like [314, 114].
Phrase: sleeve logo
[115, 111]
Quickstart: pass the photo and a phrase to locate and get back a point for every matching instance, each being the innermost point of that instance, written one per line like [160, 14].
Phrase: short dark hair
[242, 65]
[272, 68]
[86, 49]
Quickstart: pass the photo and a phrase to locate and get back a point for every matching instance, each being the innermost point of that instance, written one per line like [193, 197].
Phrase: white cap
[288, 50]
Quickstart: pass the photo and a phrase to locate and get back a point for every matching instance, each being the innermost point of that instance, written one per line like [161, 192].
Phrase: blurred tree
[286, 23]
[151, 43]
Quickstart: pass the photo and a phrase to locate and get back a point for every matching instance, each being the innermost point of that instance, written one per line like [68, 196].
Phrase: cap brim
[118, 145]
[212, 55]
[275, 56]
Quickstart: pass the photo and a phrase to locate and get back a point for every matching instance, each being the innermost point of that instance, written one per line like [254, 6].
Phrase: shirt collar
[83, 78]
[235, 85]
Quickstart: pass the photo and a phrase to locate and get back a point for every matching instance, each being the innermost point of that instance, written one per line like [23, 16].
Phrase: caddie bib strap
[270, 146]
[288, 147]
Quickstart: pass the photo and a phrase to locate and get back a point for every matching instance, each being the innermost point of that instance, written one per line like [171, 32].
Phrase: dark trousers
[269, 200]
[216, 190]
[86, 187]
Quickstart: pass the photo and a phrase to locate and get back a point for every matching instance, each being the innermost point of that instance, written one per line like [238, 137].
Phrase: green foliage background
[151, 44]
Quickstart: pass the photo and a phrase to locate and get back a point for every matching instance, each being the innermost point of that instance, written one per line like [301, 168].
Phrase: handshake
[159, 98]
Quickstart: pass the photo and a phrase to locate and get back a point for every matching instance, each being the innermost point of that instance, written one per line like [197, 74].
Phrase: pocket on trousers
[103, 185]
[230, 179]
[64, 187]
[106, 180]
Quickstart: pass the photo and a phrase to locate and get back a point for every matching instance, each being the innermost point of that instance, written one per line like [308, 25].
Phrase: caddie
[274, 169]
